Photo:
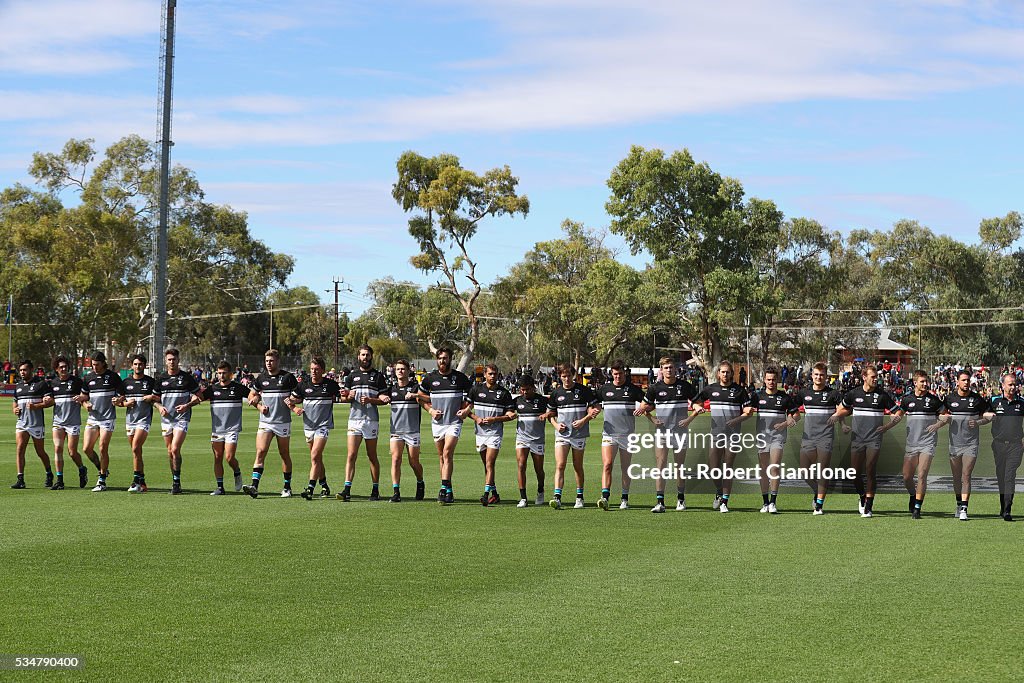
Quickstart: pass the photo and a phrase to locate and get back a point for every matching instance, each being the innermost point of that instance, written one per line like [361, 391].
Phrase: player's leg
[967, 469]
[681, 479]
[577, 465]
[284, 450]
[417, 467]
[870, 476]
[823, 460]
[774, 478]
[538, 469]
[20, 446]
[625, 460]
[397, 453]
[715, 465]
[910, 461]
[218, 465]
[1013, 461]
[317, 472]
[956, 471]
[763, 460]
[58, 438]
[857, 463]
[39, 445]
[448, 465]
[808, 456]
[439, 445]
[728, 458]
[660, 462]
[136, 439]
[371, 455]
[104, 443]
[608, 450]
[175, 442]
[263, 439]
[924, 463]
[490, 491]
[561, 457]
[230, 450]
[73, 451]
[92, 435]
[354, 439]
[522, 457]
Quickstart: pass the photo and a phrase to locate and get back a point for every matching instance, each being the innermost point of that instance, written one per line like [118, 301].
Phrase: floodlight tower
[158, 302]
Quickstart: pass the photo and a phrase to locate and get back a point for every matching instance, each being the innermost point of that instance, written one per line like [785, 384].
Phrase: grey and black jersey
[1008, 423]
[773, 409]
[671, 403]
[619, 403]
[26, 393]
[369, 383]
[530, 425]
[273, 390]
[317, 403]
[176, 390]
[447, 393]
[868, 413]
[100, 390]
[137, 389]
[963, 409]
[405, 408]
[225, 406]
[921, 412]
[819, 405]
[572, 404]
[67, 411]
[727, 403]
[491, 403]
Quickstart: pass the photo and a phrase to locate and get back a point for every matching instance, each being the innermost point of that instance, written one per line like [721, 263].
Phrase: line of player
[450, 397]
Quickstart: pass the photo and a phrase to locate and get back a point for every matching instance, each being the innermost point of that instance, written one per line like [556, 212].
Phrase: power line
[890, 327]
[255, 312]
[900, 310]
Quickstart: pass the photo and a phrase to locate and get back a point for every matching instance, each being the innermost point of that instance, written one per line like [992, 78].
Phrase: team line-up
[450, 397]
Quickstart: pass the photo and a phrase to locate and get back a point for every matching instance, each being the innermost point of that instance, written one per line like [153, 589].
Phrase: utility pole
[337, 324]
[158, 327]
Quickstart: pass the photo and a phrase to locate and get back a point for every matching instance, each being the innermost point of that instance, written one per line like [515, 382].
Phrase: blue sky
[855, 114]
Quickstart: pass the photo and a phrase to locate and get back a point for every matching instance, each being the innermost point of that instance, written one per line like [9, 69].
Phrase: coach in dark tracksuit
[1007, 441]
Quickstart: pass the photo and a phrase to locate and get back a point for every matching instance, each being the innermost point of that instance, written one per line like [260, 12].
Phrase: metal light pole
[271, 340]
[158, 327]
[746, 323]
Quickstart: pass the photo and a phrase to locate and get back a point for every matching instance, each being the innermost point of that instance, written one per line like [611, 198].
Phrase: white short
[488, 442]
[611, 440]
[129, 428]
[169, 426]
[319, 433]
[224, 437]
[575, 444]
[409, 439]
[923, 453]
[104, 425]
[283, 431]
[445, 431]
[968, 452]
[34, 432]
[70, 430]
[368, 429]
[534, 446]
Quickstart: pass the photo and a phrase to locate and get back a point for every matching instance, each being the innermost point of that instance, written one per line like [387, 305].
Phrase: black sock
[136, 476]
[764, 497]
[311, 485]
[287, 480]
[625, 497]
[869, 502]
[963, 504]
[522, 493]
[237, 472]
[1002, 503]
[660, 495]
[176, 476]
[257, 474]
[376, 486]
[680, 496]
[858, 484]
[959, 503]
[773, 497]
[323, 482]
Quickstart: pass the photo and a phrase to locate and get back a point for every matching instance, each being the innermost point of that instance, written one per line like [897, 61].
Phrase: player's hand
[972, 423]
[130, 403]
[364, 400]
[846, 428]
[779, 426]
[181, 410]
[561, 427]
[658, 422]
[253, 401]
[462, 414]
[17, 409]
[638, 412]
[384, 399]
[832, 420]
[297, 410]
[435, 413]
[594, 411]
[164, 412]
[932, 428]
[576, 424]
[264, 409]
[733, 422]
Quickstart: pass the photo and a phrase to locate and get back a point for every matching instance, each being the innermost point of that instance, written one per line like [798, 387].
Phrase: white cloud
[61, 36]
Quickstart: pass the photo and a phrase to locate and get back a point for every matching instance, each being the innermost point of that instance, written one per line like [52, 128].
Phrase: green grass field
[193, 587]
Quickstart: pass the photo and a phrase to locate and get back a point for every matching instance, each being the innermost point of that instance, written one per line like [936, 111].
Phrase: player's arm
[897, 417]
[424, 401]
[940, 422]
[748, 412]
[464, 411]
[294, 402]
[841, 412]
[83, 399]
